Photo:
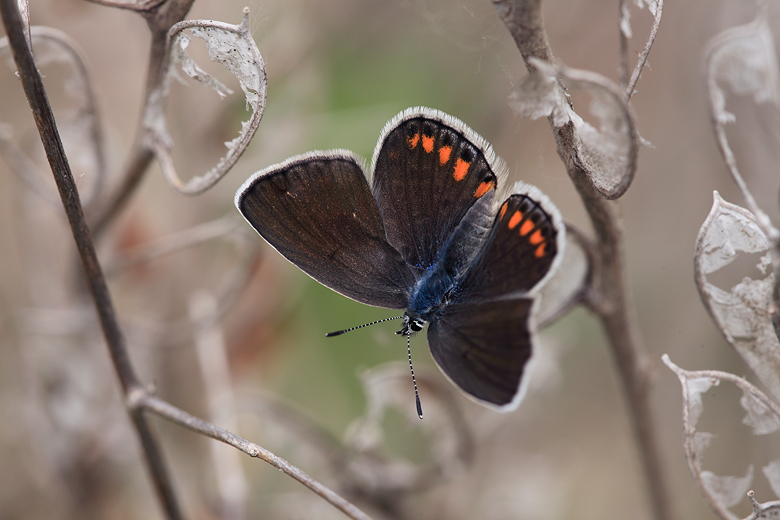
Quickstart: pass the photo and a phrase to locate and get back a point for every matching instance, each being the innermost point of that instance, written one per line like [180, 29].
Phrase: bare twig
[630, 85]
[143, 400]
[131, 5]
[44, 119]
[69, 53]
[160, 16]
[610, 298]
[218, 385]
[691, 452]
[174, 242]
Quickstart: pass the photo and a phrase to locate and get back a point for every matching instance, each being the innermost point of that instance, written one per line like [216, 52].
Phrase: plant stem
[609, 296]
[55, 153]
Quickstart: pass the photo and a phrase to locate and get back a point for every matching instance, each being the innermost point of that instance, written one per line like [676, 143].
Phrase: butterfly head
[412, 325]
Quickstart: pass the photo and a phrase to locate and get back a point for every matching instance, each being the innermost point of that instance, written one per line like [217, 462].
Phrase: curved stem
[55, 153]
[609, 296]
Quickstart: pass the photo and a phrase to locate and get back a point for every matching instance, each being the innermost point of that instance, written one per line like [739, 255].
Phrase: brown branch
[609, 297]
[66, 185]
[143, 400]
[160, 16]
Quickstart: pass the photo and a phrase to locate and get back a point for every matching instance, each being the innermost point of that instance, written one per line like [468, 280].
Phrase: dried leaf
[540, 95]
[772, 473]
[723, 492]
[728, 490]
[742, 313]
[696, 387]
[759, 416]
[700, 441]
[607, 153]
[233, 47]
[193, 70]
[743, 59]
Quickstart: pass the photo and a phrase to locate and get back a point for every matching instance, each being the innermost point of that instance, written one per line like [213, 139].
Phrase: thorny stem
[66, 185]
[609, 297]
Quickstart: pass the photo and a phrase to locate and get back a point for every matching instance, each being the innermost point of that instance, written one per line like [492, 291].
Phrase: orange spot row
[503, 211]
[460, 170]
[541, 250]
[526, 227]
[483, 188]
[515, 219]
[444, 154]
[427, 143]
[413, 141]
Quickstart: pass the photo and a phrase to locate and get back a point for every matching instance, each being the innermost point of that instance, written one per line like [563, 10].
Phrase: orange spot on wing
[541, 250]
[413, 141]
[503, 211]
[536, 238]
[460, 170]
[427, 143]
[526, 227]
[444, 154]
[483, 188]
[515, 220]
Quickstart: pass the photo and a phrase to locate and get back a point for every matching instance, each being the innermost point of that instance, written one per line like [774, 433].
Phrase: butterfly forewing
[318, 212]
[429, 169]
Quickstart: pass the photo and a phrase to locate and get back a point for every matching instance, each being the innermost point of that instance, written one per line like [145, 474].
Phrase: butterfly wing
[428, 170]
[482, 340]
[483, 348]
[317, 210]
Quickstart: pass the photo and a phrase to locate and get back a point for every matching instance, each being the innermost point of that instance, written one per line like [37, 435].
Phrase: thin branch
[218, 386]
[624, 35]
[143, 400]
[610, 298]
[47, 128]
[131, 5]
[160, 16]
[640, 64]
[694, 465]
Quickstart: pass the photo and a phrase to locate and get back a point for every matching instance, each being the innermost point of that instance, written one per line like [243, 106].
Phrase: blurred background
[337, 72]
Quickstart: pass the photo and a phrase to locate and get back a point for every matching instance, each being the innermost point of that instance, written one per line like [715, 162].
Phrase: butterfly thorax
[431, 293]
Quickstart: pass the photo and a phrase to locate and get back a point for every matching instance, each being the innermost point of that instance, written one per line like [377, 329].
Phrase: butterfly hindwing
[483, 337]
[519, 252]
[429, 169]
[484, 347]
[318, 212]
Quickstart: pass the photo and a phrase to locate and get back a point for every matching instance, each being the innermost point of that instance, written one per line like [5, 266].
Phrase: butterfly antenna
[414, 381]
[340, 332]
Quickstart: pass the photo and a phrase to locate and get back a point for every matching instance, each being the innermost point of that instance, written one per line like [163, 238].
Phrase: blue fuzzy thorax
[432, 292]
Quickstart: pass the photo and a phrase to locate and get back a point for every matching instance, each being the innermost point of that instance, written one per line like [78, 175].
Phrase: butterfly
[424, 232]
